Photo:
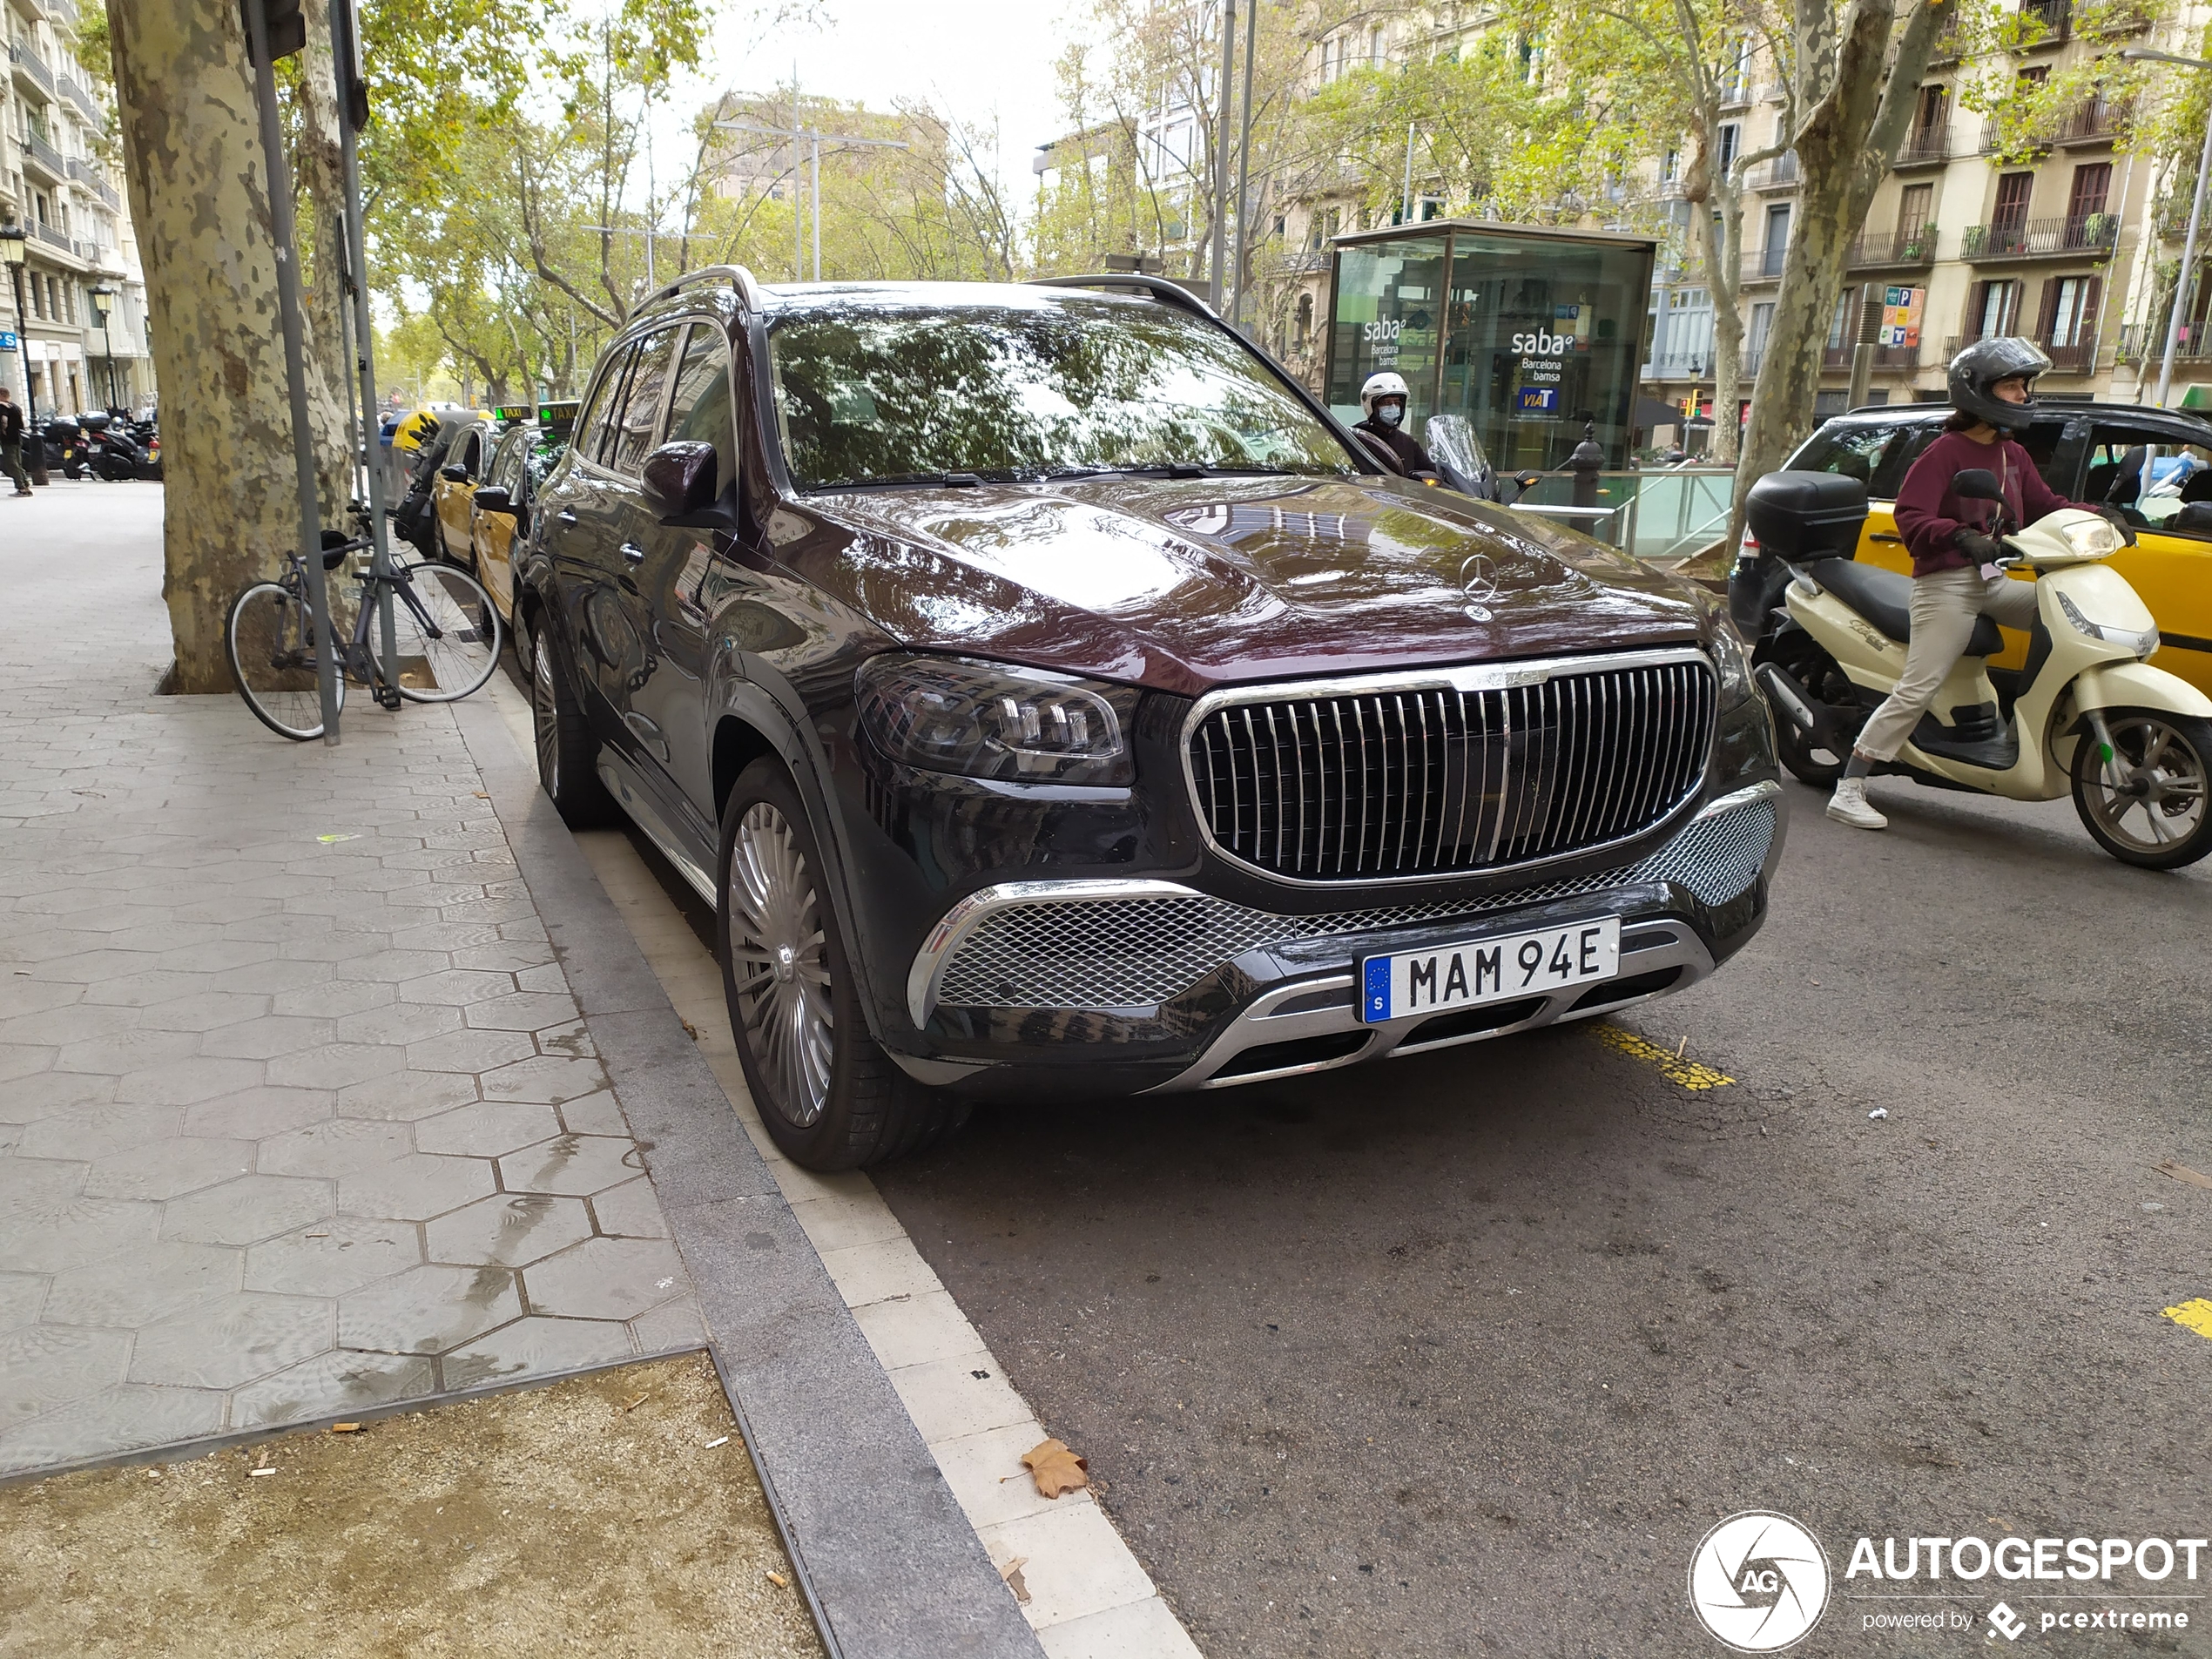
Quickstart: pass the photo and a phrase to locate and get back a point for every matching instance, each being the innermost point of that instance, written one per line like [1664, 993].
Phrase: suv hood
[1185, 584]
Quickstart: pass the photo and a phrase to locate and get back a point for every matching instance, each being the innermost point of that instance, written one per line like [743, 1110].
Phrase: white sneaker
[1849, 805]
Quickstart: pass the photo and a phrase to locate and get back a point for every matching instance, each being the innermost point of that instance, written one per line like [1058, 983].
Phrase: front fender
[2138, 685]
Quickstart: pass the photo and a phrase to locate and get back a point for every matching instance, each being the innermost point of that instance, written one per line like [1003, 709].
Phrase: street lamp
[14, 248]
[103, 298]
[2145, 55]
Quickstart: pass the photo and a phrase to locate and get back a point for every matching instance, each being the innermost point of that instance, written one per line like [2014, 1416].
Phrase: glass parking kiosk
[1524, 330]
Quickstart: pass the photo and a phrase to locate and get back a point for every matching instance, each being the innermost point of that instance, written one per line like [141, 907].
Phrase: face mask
[1389, 413]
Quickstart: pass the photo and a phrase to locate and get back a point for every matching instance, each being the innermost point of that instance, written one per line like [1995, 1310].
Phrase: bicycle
[446, 635]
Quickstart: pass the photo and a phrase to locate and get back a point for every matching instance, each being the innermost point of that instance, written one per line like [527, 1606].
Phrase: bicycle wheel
[269, 639]
[447, 632]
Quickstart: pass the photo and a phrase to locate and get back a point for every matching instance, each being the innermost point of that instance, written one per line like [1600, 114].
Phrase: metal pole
[814, 213]
[1221, 151]
[35, 460]
[797, 230]
[345, 58]
[2181, 282]
[1244, 167]
[1406, 202]
[295, 365]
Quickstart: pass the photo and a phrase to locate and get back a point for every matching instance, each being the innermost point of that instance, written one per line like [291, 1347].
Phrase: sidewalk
[301, 1118]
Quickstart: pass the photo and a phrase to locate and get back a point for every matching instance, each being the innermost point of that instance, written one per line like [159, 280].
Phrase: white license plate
[1489, 970]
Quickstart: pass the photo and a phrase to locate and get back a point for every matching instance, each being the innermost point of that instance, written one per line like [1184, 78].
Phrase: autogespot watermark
[1760, 1582]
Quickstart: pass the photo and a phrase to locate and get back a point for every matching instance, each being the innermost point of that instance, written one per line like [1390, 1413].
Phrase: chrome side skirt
[635, 799]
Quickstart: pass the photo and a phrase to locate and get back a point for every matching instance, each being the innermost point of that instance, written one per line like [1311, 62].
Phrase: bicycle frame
[354, 657]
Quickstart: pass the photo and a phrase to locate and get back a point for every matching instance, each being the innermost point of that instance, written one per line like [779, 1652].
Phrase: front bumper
[1129, 986]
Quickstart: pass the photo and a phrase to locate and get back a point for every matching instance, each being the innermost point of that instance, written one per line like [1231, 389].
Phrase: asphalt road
[1465, 1354]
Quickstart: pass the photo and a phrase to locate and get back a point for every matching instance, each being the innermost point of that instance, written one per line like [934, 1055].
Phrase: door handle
[632, 552]
[1881, 535]
[566, 515]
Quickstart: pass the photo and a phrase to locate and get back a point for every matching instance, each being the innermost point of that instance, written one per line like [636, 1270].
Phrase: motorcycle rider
[1384, 398]
[1955, 578]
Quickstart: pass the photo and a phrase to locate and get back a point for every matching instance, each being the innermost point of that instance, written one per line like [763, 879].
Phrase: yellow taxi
[2094, 453]
[529, 439]
[468, 438]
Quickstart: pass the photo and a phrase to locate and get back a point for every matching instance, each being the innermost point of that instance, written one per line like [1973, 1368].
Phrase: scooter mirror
[1978, 483]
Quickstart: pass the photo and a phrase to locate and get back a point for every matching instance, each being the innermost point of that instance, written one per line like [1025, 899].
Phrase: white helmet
[1387, 383]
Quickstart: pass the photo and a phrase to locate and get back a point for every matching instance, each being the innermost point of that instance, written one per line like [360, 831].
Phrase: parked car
[2087, 452]
[468, 440]
[1053, 700]
[533, 439]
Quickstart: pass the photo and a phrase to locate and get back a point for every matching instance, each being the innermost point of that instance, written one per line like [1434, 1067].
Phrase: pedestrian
[11, 434]
[1954, 541]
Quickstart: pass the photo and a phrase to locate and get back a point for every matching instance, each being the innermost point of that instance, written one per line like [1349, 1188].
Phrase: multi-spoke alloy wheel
[2144, 798]
[779, 962]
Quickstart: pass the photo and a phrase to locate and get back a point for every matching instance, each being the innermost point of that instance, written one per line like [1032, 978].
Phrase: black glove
[2118, 521]
[1982, 550]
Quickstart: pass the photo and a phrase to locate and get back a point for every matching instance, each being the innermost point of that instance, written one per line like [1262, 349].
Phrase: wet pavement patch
[615, 1513]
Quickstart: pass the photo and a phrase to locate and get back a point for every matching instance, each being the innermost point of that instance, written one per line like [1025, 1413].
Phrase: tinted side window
[2041, 443]
[1913, 443]
[642, 406]
[700, 409]
[507, 463]
[1856, 450]
[604, 403]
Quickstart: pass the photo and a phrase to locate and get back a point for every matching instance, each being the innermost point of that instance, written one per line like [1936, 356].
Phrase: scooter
[2133, 743]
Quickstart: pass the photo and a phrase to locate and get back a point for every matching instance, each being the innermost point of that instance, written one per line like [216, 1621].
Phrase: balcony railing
[1764, 263]
[81, 96]
[2035, 238]
[84, 172]
[2078, 358]
[1735, 94]
[1838, 359]
[46, 233]
[2055, 15]
[1781, 173]
[45, 155]
[2097, 121]
[1925, 144]
[1913, 249]
[61, 12]
[30, 61]
[1306, 259]
[2142, 342]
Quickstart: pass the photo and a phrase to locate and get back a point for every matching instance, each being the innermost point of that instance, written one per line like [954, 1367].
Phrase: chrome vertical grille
[1357, 785]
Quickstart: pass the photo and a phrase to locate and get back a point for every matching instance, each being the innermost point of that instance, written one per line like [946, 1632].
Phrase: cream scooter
[2133, 743]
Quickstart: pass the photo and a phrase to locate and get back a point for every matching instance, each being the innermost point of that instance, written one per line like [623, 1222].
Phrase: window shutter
[2050, 310]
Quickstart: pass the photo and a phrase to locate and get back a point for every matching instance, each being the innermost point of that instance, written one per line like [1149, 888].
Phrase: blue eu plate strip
[1376, 971]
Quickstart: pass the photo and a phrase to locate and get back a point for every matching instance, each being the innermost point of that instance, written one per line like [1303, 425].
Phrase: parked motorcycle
[113, 452]
[2087, 713]
[65, 448]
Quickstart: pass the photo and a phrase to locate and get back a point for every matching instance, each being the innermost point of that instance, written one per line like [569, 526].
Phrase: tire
[1800, 656]
[566, 750]
[827, 1094]
[451, 629]
[2159, 816]
[269, 639]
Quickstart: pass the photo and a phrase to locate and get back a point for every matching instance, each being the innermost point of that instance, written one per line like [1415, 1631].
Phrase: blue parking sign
[7, 339]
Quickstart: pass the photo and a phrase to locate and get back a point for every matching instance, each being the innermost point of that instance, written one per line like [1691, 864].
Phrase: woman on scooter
[1955, 578]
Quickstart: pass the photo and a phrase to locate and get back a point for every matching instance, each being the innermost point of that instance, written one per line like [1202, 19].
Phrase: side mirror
[1978, 483]
[453, 473]
[494, 498]
[683, 482]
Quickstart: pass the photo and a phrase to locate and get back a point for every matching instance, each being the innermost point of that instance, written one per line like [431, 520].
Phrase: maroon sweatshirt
[1928, 514]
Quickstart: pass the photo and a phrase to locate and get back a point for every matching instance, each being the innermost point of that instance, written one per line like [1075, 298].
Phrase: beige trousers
[1945, 606]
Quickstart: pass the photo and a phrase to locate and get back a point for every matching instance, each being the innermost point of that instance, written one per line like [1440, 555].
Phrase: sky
[972, 59]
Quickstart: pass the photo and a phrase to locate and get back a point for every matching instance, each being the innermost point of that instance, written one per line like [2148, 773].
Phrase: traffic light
[285, 23]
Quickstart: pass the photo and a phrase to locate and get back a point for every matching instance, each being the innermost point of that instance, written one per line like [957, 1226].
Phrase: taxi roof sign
[559, 413]
[507, 412]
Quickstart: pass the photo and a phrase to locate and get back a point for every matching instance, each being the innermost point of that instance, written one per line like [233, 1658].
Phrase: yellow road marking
[2193, 1316]
[1676, 1069]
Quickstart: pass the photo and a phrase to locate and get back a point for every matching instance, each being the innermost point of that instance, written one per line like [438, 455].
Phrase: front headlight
[2091, 538]
[997, 720]
[1733, 666]
[2141, 641]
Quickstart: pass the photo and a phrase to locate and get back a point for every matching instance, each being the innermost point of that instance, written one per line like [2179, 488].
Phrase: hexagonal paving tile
[401, 1022]
[522, 1011]
[49, 1235]
[578, 1164]
[127, 1051]
[340, 1146]
[470, 1051]
[256, 1113]
[268, 1036]
[487, 1129]
[335, 1065]
[142, 990]
[20, 1295]
[335, 1257]
[535, 1346]
[205, 1011]
[168, 1169]
[630, 1211]
[427, 1310]
[336, 1000]
[406, 1095]
[455, 986]
[118, 1420]
[392, 966]
[545, 1079]
[29, 1098]
[45, 1366]
[670, 1328]
[186, 1082]
[224, 1343]
[414, 1188]
[572, 1040]
[330, 1384]
[79, 1022]
[95, 1131]
[510, 1229]
[142, 1286]
[606, 1278]
[254, 1207]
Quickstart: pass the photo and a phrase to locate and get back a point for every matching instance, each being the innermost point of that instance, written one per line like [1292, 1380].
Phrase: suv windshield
[876, 394]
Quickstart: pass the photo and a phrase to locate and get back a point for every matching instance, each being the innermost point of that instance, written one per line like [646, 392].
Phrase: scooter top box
[1807, 515]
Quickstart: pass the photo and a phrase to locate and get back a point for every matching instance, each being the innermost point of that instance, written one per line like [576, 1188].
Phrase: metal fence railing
[1668, 513]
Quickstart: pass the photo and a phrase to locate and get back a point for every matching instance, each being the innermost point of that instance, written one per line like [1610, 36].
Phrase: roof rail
[748, 290]
[1159, 287]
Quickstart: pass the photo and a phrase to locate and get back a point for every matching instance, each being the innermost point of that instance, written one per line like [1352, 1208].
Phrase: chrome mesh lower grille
[1102, 953]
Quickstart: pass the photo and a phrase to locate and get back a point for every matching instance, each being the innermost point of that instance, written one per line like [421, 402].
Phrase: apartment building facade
[76, 305]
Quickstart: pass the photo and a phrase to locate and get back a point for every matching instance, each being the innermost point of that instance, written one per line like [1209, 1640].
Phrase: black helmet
[1975, 372]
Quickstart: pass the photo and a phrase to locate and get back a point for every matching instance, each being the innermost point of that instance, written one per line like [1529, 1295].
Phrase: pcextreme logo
[1760, 1581]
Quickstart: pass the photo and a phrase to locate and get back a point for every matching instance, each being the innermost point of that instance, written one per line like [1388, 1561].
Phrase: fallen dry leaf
[690, 1029]
[1012, 1573]
[2182, 1172]
[1056, 1468]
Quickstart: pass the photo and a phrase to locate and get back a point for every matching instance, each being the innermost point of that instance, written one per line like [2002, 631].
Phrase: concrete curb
[888, 1554]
